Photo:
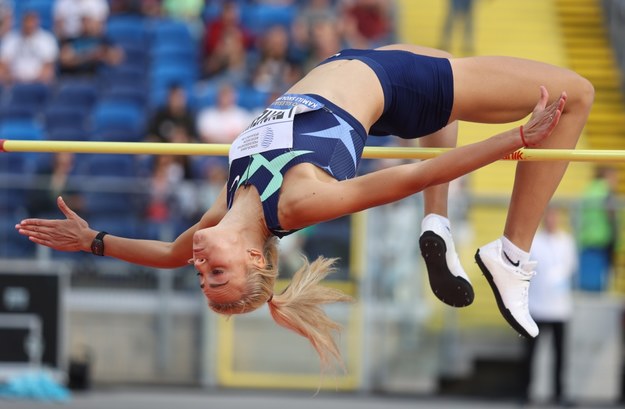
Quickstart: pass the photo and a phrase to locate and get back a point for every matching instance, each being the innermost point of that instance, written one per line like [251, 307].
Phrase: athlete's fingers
[69, 213]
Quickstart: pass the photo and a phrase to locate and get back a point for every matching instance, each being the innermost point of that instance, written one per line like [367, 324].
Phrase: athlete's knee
[581, 93]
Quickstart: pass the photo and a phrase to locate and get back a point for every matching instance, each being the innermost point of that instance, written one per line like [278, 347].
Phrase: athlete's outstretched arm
[74, 234]
[325, 201]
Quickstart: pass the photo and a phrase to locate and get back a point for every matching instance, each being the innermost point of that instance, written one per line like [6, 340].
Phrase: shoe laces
[527, 272]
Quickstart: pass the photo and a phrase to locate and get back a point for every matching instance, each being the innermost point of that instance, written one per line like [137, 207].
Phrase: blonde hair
[298, 307]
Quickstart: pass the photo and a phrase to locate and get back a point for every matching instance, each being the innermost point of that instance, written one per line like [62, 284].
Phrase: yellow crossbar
[157, 148]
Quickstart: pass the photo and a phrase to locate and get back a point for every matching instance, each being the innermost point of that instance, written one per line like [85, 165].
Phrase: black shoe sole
[502, 308]
[451, 290]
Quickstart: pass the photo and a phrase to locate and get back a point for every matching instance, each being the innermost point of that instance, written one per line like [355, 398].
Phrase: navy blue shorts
[418, 90]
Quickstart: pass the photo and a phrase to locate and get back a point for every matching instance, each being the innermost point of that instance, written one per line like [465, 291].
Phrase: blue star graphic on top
[342, 131]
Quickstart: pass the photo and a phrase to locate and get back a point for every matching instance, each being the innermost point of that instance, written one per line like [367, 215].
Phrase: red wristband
[525, 144]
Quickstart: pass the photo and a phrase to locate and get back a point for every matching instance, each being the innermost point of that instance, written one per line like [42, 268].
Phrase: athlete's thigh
[504, 89]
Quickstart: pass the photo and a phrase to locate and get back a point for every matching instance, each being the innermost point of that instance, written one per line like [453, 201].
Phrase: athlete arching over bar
[296, 166]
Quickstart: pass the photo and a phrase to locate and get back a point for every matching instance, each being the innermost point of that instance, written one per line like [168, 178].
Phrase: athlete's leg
[447, 278]
[502, 89]
[435, 197]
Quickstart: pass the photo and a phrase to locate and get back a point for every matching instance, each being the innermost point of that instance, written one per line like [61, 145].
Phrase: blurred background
[198, 71]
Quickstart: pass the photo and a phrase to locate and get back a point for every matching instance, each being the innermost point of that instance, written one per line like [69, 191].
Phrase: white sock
[512, 254]
[434, 218]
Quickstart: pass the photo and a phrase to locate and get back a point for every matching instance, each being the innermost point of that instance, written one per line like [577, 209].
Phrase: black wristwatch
[97, 245]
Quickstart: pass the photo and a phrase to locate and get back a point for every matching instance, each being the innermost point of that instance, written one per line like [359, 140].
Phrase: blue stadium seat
[116, 115]
[163, 54]
[32, 95]
[17, 113]
[250, 98]
[67, 134]
[125, 94]
[127, 75]
[110, 165]
[21, 129]
[17, 171]
[43, 8]
[135, 56]
[66, 117]
[128, 30]
[117, 133]
[259, 17]
[171, 32]
[82, 94]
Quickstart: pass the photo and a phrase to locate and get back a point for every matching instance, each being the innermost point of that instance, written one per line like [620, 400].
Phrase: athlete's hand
[544, 119]
[69, 234]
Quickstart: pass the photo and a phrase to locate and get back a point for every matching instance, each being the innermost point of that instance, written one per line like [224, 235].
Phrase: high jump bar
[207, 149]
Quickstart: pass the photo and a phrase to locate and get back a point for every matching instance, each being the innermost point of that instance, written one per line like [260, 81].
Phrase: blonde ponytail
[298, 308]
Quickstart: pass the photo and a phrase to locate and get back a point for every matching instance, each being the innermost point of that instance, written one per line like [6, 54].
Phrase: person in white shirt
[225, 120]
[551, 293]
[68, 15]
[28, 54]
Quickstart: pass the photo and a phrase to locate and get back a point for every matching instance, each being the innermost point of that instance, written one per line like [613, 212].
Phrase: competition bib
[273, 129]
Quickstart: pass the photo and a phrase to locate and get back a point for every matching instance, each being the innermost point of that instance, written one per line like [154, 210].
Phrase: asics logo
[510, 261]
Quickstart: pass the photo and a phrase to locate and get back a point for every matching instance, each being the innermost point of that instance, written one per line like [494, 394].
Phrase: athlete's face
[221, 263]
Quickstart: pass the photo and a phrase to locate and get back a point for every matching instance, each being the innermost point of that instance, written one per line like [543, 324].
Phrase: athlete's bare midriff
[350, 84]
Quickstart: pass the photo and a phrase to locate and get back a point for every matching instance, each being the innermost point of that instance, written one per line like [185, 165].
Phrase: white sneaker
[448, 280]
[510, 285]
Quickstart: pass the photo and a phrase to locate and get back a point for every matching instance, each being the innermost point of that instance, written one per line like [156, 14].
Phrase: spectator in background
[6, 16]
[597, 230]
[224, 121]
[327, 41]
[274, 71]
[302, 29]
[228, 61]
[69, 15]
[28, 54]
[175, 123]
[85, 53]
[459, 10]
[54, 182]
[225, 43]
[367, 23]
[550, 296]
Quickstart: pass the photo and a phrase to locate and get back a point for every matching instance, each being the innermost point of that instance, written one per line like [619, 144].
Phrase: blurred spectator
[274, 72]
[367, 22]
[174, 122]
[327, 40]
[597, 230]
[225, 43]
[303, 38]
[85, 53]
[215, 174]
[55, 181]
[550, 296]
[6, 16]
[167, 174]
[459, 10]
[228, 61]
[28, 54]
[69, 16]
[224, 121]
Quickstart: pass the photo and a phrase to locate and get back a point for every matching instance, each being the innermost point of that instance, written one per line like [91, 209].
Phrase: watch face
[97, 247]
